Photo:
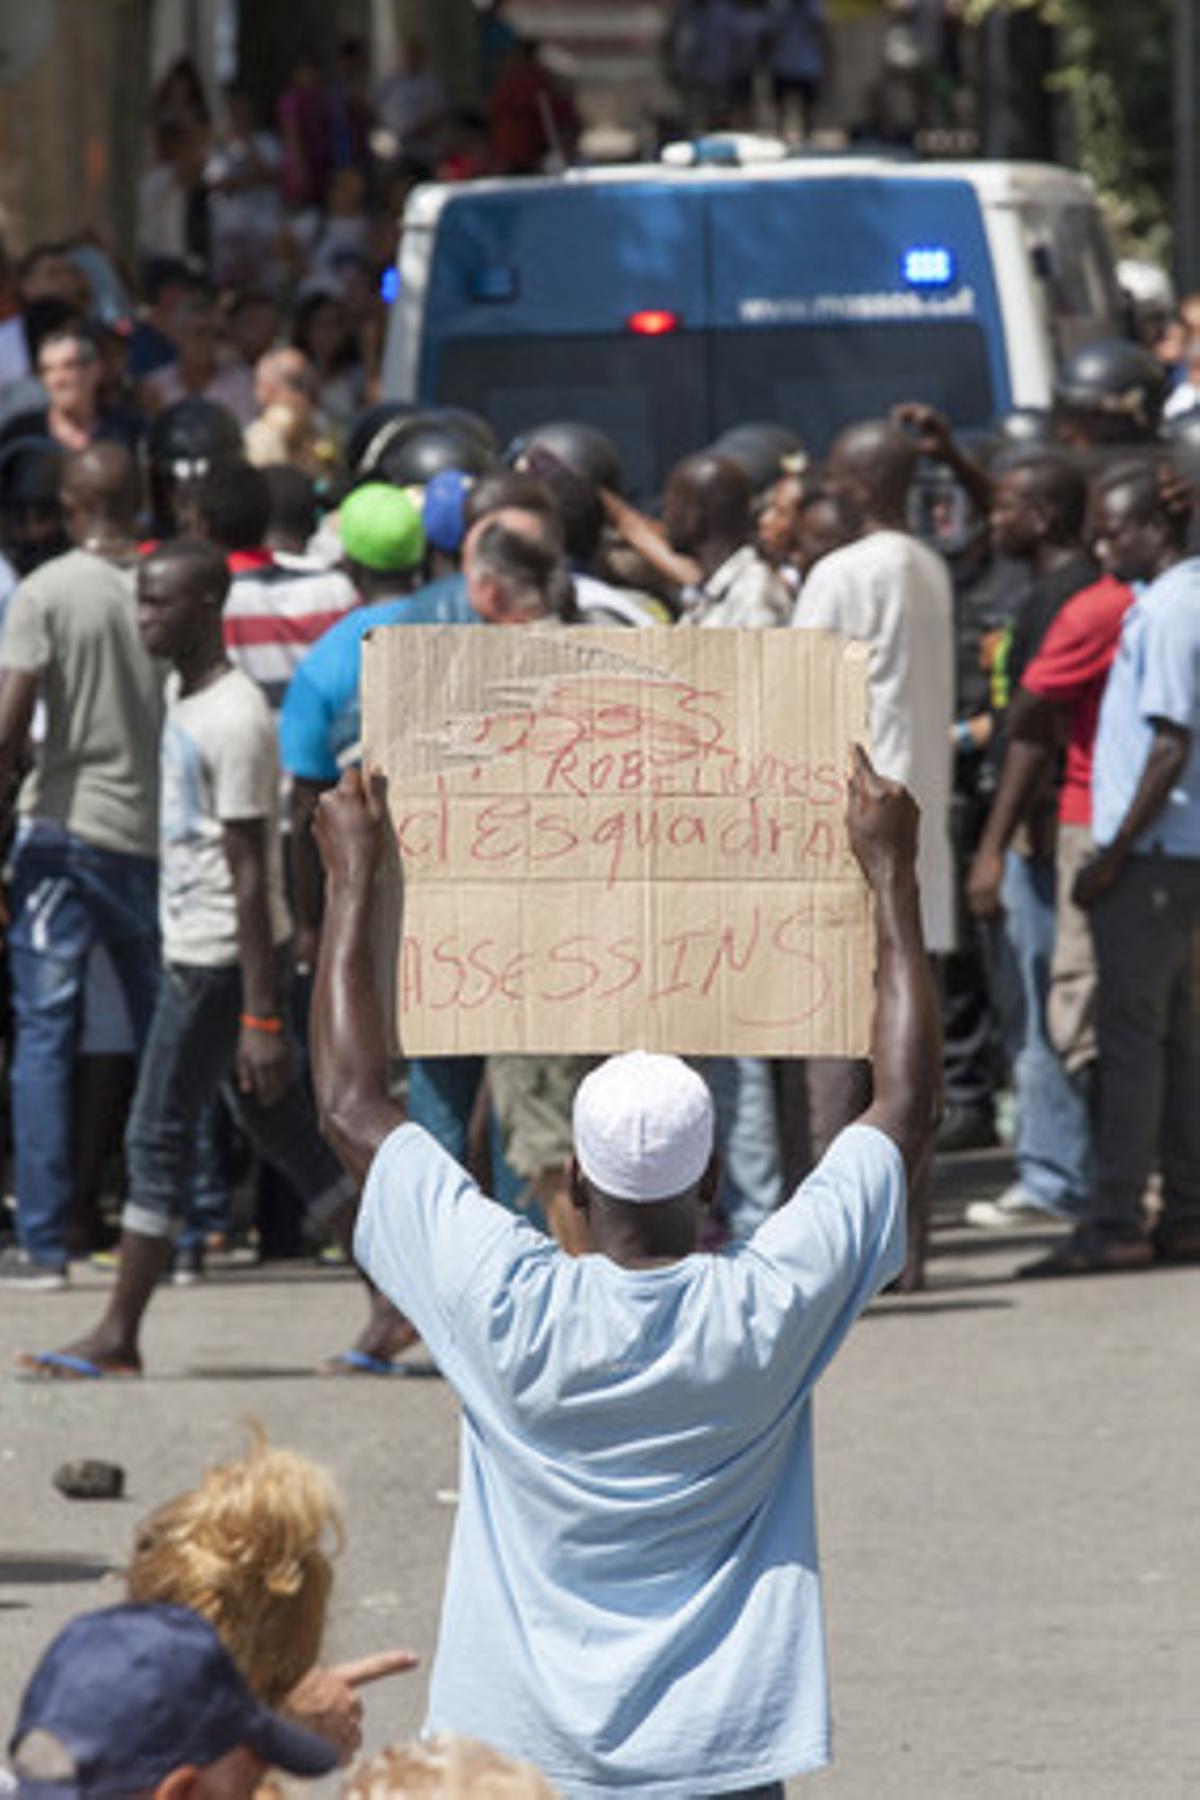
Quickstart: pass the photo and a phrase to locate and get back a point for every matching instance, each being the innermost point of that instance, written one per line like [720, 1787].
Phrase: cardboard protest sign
[615, 839]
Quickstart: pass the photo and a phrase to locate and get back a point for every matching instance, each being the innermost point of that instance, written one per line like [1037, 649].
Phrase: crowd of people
[306, 195]
[773, 65]
[719, 51]
[204, 508]
[250, 555]
[187, 671]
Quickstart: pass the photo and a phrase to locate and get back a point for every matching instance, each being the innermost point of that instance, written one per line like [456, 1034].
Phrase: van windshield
[822, 377]
[647, 393]
[661, 398]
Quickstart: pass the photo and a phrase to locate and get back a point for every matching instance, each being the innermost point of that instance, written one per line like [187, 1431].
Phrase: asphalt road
[1007, 1476]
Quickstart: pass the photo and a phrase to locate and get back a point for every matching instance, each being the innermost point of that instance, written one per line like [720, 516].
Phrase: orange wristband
[272, 1027]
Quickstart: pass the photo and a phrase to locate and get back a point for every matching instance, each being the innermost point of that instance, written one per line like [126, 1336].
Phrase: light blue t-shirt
[1155, 675]
[320, 726]
[632, 1599]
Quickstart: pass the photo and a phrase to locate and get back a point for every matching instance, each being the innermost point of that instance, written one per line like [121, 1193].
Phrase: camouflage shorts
[532, 1096]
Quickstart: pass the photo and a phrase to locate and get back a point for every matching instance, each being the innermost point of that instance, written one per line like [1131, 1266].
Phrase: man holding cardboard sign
[633, 1597]
[613, 837]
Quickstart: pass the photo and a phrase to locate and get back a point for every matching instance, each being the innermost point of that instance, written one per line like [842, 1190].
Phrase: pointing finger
[374, 1668]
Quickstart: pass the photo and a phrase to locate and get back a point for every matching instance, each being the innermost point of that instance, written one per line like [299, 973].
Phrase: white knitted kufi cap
[643, 1126]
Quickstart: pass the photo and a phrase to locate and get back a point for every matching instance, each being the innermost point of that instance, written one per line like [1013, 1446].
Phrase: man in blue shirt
[320, 733]
[1143, 889]
[321, 721]
[633, 1599]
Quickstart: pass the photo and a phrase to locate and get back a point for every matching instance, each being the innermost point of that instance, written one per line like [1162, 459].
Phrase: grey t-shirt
[220, 766]
[73, 624]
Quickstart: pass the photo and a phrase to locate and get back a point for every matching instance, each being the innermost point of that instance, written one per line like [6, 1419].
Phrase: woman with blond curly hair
[446, 1767]
[251, 1549]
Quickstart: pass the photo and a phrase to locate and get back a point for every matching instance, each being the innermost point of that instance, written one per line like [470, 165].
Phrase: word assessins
[758, 959]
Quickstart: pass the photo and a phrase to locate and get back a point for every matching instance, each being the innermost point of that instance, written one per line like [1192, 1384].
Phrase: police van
[667, 304]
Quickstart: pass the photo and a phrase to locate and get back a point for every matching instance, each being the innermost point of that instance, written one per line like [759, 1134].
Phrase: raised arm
[307, 890]
[906, 1045]
[346, 1031]
[647, 538]
[935, 439]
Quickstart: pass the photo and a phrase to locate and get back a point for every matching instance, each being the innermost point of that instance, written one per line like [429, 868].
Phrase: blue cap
[444, 510]
[123, 1697]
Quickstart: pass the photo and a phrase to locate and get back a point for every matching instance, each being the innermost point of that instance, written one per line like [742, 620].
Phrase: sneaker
[1015, 1206]
[18, 1271]
[188, 1266]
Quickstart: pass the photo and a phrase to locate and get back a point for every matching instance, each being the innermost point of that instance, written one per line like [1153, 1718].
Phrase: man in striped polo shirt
[275, 610]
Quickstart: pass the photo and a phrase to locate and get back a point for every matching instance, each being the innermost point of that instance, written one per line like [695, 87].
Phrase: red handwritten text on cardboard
[619, 838]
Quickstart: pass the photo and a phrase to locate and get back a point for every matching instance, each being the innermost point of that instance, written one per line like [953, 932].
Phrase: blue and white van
[667, 304]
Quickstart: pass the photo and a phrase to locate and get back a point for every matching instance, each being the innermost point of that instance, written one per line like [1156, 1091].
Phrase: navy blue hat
[123, 1697]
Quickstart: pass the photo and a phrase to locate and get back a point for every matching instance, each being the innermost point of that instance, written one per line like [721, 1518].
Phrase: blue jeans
[208, 1204]
[189, 1054]
[441, 1097]
[66, 896]
[1053, 1147]
[747, 1120]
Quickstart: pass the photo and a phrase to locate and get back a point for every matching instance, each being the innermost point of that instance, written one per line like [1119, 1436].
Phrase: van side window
[1070, 255]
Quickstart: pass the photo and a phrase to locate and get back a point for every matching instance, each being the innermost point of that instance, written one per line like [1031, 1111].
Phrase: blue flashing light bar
[929, 266]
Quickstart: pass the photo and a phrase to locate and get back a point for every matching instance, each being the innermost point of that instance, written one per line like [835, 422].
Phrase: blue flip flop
[61, 1365]
[360, 1362]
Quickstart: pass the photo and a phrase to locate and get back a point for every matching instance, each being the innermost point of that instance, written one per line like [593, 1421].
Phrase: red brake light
[653, 322]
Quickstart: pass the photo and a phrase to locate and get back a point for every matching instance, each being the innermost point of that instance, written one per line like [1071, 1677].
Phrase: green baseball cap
[381, 528]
